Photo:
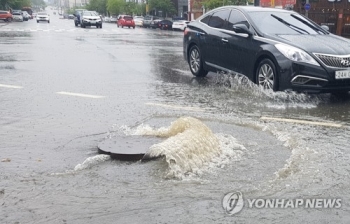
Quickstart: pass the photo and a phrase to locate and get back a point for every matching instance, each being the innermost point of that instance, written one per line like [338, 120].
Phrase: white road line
[302, 122]
[176, 107]
[81, 95]
[11, 86]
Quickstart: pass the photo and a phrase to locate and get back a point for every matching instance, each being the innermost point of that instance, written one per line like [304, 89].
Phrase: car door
[214, 38]
[240, 47]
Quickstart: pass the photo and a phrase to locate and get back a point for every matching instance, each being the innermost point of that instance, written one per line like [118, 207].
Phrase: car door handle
[200, 34]
[224, 40]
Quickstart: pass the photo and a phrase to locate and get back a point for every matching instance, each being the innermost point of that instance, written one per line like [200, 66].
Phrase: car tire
[37, 21]
[122, 26]
[101, 26]
[133, 27]
[195, 62]
[8, 19]
[76, 24]
[48, 21]
[266, 75]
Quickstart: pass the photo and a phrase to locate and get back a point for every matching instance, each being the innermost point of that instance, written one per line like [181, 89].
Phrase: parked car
[25, 15]
[77, 14]
[138, 21]
[107, 19]
[125, 20]
[165, 24]
[43, 16]
[17, 15]
[70, 16]
[275, 48]
[180, 24]
[148, 21]
[34, 14]
[113, 19]
[5, 16]
[154, 23]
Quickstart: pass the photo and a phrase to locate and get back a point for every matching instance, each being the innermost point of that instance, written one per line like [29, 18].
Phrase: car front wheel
[195, 62]
[266, 75]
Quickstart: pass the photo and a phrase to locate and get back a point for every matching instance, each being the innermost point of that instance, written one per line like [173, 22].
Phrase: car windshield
[89, 14]
[272, 22]
[42, 14]
[16, 13]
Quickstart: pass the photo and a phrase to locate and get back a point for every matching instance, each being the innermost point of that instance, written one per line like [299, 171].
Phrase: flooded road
[63, 90]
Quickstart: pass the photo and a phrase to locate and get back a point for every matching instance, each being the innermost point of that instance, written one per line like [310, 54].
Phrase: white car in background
[43, 16]
[180, 24]
[17, 15]
[138, 20]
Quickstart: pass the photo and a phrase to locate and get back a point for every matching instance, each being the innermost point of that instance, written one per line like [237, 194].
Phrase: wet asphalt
[64, 89]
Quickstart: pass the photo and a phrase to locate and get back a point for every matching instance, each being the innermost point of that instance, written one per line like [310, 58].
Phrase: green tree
[212, 4]
[115, 7]
[166, 6]
[98, 6]
[14, 4]
[37, 4]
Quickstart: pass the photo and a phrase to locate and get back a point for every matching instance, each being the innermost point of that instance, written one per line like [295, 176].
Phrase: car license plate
[93, 22]
[344, 74]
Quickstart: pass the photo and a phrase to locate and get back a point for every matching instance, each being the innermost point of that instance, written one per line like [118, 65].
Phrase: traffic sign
[307, 6]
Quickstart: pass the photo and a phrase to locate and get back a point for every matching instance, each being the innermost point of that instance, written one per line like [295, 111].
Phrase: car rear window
[127, 17]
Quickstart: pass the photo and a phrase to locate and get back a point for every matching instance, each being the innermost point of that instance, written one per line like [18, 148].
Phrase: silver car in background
[138, 20]
[17, 15]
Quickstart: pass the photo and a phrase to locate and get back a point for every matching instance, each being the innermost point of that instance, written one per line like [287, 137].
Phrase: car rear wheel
[9, 19]
[266, 75]
[37, 21]
[195, 62]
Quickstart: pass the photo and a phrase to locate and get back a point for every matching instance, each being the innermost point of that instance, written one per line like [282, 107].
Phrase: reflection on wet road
[64, 89]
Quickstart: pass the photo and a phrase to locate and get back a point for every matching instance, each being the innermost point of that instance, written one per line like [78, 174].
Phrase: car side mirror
[325, 27]
[242, 28]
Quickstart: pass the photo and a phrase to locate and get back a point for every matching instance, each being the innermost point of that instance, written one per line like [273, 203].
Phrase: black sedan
[275, 48]
[165, 24]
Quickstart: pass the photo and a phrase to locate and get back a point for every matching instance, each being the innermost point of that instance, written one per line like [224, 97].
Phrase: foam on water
[190, 147]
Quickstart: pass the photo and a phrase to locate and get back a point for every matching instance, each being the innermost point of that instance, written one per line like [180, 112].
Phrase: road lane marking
[176, 107]
[302, 122]
[81, 95]
[11, 86]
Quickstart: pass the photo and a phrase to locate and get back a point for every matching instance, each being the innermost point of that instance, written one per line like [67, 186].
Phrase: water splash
[190, 147]
[92, 161]
[240, 84]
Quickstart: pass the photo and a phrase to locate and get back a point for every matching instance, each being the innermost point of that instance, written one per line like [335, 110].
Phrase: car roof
[252, 8]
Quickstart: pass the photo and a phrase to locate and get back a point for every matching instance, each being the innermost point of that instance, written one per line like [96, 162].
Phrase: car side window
[236, 17]
[206, 19]
[219, 19]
